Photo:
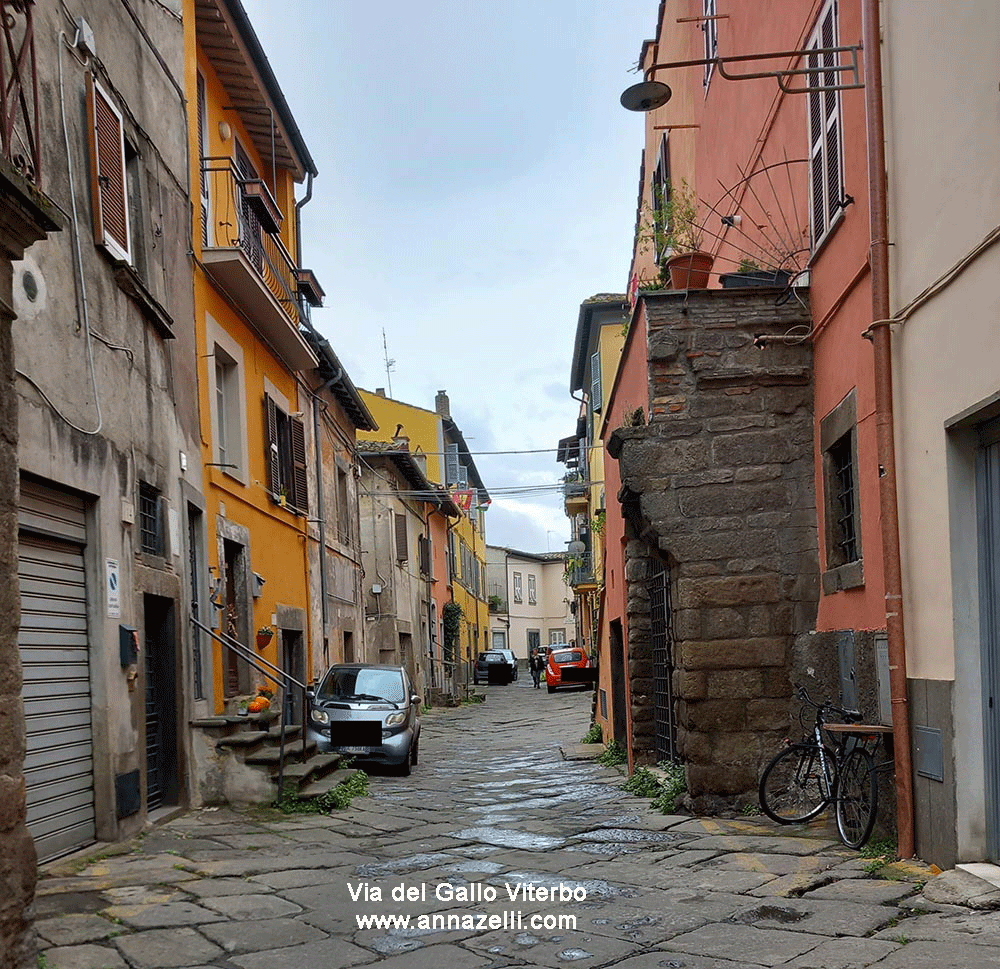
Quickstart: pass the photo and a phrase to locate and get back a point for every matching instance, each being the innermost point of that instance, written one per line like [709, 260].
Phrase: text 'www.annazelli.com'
[512, 921]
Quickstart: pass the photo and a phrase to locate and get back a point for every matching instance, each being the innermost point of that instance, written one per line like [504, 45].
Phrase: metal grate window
[661, 641]
[842, 467]
[150, 538]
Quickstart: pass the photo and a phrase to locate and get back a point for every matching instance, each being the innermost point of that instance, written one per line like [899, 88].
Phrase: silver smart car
[369, 712]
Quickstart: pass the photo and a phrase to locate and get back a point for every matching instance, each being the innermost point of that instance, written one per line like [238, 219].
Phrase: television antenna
[390, 364]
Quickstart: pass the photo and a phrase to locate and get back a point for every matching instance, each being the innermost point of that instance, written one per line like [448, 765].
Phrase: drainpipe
[321, 512]
[881, 343]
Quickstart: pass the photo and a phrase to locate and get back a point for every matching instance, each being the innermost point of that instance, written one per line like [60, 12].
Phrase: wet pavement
[498, 852]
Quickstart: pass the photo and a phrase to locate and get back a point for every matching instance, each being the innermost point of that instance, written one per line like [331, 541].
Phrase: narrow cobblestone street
[493, 809]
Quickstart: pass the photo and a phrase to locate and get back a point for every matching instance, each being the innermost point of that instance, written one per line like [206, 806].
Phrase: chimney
[442, 405]
[401, 441]
[380, 391]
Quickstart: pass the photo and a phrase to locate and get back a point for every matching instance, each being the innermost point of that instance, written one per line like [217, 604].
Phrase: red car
[564, 668]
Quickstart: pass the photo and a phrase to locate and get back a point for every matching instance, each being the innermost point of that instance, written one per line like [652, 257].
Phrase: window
[227, 401]
[108, 173]
[343, 507]
[595, 383]
[452, 564]
[150, 531]
[532, 593]
[711, 30]
[425, 556]
[286, 457]
[517, 587]
[825, 150]
[402, 546]
[557, 637]
[661, 195]
[838, 441]
[250, 228]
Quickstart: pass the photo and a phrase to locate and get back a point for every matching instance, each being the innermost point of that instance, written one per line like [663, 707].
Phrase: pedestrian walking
[536, 666]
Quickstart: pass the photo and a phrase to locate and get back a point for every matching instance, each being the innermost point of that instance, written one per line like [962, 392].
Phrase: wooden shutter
[424, 553]
[402, 551]
[451, 471]
[596, 393]
[825, 166]
[300, 480]
[108, 187]
[273, 456]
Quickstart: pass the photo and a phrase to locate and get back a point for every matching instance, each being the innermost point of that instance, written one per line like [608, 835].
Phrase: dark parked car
[368, 711]
[511, 660]
[492, 667]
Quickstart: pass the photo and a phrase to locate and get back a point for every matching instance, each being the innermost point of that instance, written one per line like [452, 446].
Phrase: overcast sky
[477, 181]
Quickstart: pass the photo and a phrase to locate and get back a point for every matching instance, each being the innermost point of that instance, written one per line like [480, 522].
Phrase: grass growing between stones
[337, 798]
[881, 851]
[614, 755]
[664, 793]
[593, 736]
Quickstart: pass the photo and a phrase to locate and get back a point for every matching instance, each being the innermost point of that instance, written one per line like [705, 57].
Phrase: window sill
[851, 575]
[130, 283]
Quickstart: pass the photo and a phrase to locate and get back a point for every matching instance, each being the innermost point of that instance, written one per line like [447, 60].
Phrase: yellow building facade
[450, 464]
[246, 157]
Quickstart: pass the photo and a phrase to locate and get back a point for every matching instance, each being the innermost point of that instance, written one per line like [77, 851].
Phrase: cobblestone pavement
[492, 809]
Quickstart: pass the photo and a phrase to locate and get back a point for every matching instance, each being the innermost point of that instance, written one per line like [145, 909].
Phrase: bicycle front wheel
[857, 798]
[794, 787]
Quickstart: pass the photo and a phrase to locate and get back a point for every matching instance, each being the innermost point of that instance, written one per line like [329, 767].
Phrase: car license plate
[356, 750]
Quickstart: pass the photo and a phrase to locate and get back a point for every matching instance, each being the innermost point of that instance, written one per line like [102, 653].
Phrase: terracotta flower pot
[690, 270]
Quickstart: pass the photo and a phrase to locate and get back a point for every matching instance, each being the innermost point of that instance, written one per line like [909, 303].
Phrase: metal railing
[574, 488]
[277, 676]
[19, 120]
[231, 220]
[581, 569]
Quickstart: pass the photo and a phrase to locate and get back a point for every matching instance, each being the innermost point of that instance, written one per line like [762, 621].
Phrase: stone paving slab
[817, 917]
[863, 890]
[939, 955]
[167, 949]
[161, 916]
[76, 929]
[760, 844]
[765, 947]
[261, 935]
[552, 948]
[242, 908]
[844, 954]
[84, 957]
[325, 954]
[980, 928]
[219, 887]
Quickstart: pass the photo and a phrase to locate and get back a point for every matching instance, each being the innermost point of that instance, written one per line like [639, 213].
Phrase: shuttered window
[451, 470]
[518, 596]
[402, 549]
[109, 190]
[825, 150]
[424, 553]
[286, 457]
[595, 383]
[661, 196]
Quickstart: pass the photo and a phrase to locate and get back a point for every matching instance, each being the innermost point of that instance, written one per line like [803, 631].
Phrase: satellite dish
[645, 96]
[576, 548]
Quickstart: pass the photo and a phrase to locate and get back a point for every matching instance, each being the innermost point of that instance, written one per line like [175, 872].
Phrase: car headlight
[395, 719]
[320, 716]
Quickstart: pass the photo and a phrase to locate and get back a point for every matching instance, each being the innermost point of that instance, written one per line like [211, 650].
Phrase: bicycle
[805, 777]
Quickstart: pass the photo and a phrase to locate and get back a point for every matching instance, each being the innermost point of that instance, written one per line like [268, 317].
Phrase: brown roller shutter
[300, 482]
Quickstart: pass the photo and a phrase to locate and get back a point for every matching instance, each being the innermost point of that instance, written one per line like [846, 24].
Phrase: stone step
[291, 732]
[269, 756]
[246, 738]
[312, 769]
[327, 783]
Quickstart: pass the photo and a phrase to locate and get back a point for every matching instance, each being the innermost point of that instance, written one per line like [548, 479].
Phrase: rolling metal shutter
[59, 764]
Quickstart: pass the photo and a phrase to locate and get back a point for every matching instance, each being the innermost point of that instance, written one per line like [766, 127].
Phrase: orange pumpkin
[264, 702]
[256, 706]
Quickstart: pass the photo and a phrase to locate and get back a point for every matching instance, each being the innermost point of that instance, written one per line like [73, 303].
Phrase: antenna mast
[390, 365]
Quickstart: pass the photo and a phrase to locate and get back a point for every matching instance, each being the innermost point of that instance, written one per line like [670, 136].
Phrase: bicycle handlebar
[825, 706]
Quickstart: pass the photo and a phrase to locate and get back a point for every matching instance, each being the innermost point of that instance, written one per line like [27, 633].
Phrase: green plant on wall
[451, 621]
[670, 226]
[598, 522]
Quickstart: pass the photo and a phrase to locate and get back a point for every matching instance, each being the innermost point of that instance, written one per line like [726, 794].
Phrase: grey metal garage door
[59, 764]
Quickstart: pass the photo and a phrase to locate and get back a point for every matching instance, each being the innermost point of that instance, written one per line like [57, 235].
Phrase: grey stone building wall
[720, 486]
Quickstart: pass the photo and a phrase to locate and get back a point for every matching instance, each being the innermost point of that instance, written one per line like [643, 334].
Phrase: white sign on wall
[113, 586]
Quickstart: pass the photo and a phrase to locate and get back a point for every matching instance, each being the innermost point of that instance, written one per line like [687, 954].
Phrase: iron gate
[662, 643]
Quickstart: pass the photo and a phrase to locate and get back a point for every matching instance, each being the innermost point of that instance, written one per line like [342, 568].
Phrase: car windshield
[493, 658]
[368, 684]
[567, 656]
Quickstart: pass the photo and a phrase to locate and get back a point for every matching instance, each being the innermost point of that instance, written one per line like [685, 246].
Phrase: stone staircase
[244, 755]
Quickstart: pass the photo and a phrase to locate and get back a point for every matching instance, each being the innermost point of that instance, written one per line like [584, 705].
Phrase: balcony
[19, 119]
[575, 494]
[243, 255]
[580, 572]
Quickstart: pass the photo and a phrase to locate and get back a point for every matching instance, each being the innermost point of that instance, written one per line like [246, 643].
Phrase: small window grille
[842, 466]
[150, 538]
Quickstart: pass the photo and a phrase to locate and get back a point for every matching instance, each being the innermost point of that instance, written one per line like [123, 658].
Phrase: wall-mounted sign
[114, 588]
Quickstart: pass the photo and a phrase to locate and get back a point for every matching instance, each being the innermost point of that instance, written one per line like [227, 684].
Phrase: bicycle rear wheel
[857, 798]
[793, 787]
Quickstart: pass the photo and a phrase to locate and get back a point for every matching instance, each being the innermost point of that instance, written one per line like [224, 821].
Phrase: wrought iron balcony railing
[19, 120]
[580, 570]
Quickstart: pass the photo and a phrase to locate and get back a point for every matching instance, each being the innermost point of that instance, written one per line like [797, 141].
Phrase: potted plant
[244, 708]
[750, 274]
[680, 232]
[264, 636]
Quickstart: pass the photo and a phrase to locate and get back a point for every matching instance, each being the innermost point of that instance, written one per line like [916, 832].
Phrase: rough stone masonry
[719, 487]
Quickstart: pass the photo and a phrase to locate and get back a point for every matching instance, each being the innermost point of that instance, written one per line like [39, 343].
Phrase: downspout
[321, 512]
[881, 343]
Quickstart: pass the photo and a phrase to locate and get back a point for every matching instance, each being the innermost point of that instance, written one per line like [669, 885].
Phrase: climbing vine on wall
[451, 620]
